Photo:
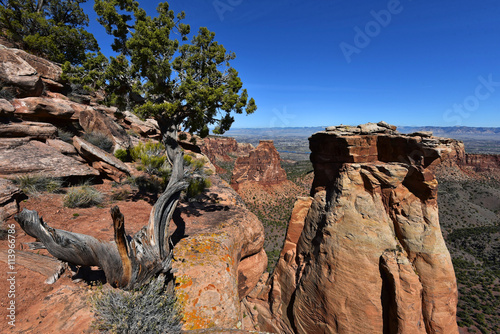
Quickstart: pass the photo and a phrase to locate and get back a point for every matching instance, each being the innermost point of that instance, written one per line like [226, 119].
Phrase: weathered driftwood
[126, 262]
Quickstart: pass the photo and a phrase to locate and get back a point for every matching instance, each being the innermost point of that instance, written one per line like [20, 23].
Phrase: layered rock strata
[220, 148]
[262, 165]
[371, 257]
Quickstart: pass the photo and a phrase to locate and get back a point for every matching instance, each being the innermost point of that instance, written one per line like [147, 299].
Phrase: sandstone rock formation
[20, 157]
[261, 165]
[220, 261]
[32, 130]
[92, 120]
[6, 107]
[10, 196]
[148, 128]
[487, 165]
[101, 160]
[17, 76]
[31, 114]
[371, 257]
[44, 68]
[219, 148]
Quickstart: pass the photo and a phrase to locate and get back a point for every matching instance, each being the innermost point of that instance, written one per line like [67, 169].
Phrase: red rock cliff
[219, 148]
[261, 165]
[370, 257]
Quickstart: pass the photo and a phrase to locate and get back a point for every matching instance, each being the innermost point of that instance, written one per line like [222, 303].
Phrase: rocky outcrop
[41, 108]
[220, 261]
[107, 163]
[262, 165]
[220, 148]
[10, 196]
[148, 128]
[32, 130]
[92, 120]
[21, 157]
[485, 164]
[44, 68]
[17, 77]
[371, 257]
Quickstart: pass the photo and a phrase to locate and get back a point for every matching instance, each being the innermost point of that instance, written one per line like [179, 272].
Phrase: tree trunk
[127, 263]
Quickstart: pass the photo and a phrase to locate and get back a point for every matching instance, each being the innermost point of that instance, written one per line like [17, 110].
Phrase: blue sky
[329, 62]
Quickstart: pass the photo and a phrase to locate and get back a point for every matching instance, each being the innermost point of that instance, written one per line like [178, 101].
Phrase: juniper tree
[159, 74]
[51, 28]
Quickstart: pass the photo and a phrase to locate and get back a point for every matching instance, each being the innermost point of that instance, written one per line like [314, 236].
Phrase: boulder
[6, 107]
[103, 161]
[32, 130]
[16, 75]
[425, 134]
[22, 157]
[93, 120]
[10, 196]
[148, 128]
[368, 128]
[46, 109]
[63, 147]
[45, 68]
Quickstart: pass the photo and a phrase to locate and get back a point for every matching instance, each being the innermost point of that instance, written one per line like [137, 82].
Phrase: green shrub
[82, 197]
[147, 184]
[150, 309]
[153, 159]
[100, 140]
[34, 184]
[197, 186]
[122, 155]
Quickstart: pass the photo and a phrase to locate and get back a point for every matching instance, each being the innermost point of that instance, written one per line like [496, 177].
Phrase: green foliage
[197, 171]
[122, 155]
[82, 197]
[50, 28]
[34, 184]
[150, 309]
[152, 157]
[89, 74]
[197, 186]
[100, 140]
[147, 184]
[472, 233]
[178, 83]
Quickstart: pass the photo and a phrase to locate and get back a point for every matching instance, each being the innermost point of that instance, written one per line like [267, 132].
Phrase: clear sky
[329, 62]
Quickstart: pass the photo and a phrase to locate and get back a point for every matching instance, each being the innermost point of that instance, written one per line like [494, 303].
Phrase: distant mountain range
[456, 132]
[476, 139]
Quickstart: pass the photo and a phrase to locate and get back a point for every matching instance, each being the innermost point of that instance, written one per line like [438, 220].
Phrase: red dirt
[63, 306]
